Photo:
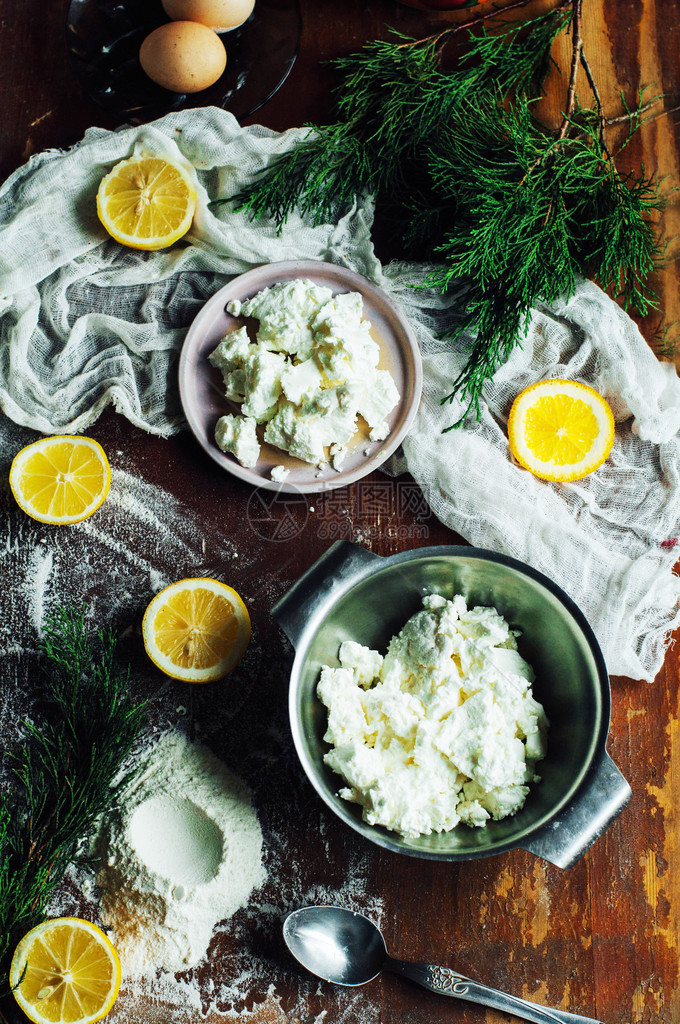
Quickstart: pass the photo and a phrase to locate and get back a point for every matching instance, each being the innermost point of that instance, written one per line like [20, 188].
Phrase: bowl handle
[342, 565]
[600, 799]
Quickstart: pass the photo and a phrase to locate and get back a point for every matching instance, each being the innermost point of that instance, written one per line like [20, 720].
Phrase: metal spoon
[346, 948]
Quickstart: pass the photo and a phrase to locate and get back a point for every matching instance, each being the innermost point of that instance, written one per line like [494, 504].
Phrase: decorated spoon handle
[448, 983]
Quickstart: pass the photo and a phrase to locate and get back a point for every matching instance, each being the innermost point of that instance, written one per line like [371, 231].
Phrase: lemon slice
[60, 479]
[560, 429]
[146, 202]
[196, 630]
[65, 971]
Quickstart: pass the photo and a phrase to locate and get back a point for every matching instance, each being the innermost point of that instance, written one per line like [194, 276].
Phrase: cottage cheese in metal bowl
[351, 596]
[443, 729]
[300, 376]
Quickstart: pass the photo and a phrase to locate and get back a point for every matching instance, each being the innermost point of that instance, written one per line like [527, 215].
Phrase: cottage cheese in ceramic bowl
[308, 375]
[300, 376]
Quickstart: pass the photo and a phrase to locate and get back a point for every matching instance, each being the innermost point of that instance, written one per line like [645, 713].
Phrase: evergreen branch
[533, 213]
[463, 172]
[64, 772]
[481, 17]
[394, 98]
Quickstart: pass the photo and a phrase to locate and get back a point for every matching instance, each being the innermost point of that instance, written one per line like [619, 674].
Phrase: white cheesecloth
[85, 322]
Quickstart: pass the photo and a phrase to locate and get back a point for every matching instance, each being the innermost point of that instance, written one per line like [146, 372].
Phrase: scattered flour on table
[39, 570]
[141, 539]
[183, 852]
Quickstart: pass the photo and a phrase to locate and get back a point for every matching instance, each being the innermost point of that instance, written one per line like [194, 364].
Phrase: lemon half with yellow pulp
[196, 630]
[65, 971]
[146, 202]
[60, 479]
[560, 429]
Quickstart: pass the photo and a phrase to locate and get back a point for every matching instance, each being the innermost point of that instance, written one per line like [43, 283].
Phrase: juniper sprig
[62, 775]
[466, 175]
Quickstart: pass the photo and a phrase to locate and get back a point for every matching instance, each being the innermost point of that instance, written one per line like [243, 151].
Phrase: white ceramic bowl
[202, 390]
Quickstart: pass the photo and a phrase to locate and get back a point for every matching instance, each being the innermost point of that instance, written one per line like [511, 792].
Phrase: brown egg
[220, 15]
[183, 56]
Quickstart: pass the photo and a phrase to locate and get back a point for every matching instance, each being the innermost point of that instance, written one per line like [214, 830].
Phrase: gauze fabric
[85, 322]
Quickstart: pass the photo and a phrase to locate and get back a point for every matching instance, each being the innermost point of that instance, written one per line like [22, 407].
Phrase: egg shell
[183, 56]
[219, 15]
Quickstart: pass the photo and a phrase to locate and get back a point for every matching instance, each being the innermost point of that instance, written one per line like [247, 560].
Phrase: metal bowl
[350, 593]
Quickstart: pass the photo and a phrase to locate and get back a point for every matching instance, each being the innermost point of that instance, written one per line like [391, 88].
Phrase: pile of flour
[182, 852]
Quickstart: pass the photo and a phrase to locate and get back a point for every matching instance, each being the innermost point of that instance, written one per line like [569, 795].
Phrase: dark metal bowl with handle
[352, 594]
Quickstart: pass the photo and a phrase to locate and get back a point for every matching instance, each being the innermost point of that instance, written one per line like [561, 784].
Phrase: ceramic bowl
[202, 389]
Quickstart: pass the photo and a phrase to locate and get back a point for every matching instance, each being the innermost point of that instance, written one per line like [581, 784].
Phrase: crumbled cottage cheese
[443, 729]
[311, 372]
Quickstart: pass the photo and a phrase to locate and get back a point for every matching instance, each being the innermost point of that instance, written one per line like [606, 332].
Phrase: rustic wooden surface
[601, 939]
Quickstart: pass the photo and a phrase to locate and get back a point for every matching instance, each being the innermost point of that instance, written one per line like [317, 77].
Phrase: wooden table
[602, 938]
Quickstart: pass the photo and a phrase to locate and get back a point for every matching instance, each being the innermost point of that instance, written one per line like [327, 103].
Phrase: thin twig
[641, 122]
[452, 29]
[494, 13]
[598, 102]
[641, 110]
[547, 216]
[576, 50]
[662, 113]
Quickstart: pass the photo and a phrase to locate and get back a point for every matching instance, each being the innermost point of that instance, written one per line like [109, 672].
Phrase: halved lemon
[146, 202]
[65, 971]
[560, 429]
[60, 479]
[196, 630]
